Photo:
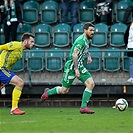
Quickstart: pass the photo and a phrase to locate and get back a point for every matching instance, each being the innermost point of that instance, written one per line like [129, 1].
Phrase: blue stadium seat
[43, 33]
[35, 61]
[61, 35]
[86, 11]
[96, 56]
[31, 11]
[22, 30]
[120, 10]
[77, 31]
[54, 59]
[49, 12]
[100, 36]
[125, 62]
[111, 60]
[117, 32]
[67, 53]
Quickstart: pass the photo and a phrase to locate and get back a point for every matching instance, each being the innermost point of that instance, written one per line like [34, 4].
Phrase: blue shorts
[6, 76]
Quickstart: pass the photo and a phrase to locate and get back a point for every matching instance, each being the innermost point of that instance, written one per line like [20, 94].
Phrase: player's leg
[19, 83]
[8, 77]
[89, 83]
[86, 78]
[74, 6]
[66, 83]
[53, 91]
[64, 11]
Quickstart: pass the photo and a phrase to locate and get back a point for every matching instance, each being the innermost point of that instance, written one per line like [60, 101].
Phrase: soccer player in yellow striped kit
[11, 53]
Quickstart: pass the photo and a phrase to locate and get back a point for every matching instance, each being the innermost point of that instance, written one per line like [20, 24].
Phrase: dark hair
[87, 25]
[27, 36]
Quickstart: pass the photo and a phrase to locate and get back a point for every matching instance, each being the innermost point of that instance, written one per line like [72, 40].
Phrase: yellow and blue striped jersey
[11, 53]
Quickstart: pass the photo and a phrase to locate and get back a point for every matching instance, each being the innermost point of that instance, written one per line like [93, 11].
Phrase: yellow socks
[16, 96]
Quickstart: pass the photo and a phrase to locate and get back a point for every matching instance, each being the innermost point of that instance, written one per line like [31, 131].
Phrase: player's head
[88, 30]
[28, 40]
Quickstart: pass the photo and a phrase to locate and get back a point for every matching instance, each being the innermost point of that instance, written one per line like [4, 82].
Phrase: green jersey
[82, 44]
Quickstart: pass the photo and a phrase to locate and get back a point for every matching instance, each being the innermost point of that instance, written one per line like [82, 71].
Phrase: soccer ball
[121, 104]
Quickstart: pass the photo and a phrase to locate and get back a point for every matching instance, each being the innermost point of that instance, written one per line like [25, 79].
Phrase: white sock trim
[57, 89]
[13, 109]
[86, 89]
[3, 91]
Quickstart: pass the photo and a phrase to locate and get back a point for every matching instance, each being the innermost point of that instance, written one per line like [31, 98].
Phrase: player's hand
[89, 59]
[77, 73]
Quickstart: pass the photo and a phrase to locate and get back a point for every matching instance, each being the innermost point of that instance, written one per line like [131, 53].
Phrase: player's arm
[75, 60]
[89, 57]
[4, 47]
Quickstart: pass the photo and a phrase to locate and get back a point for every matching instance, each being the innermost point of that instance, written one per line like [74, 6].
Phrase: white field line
[16, 122]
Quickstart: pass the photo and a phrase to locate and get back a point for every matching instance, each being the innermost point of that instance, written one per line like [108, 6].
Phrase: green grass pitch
[67, 120]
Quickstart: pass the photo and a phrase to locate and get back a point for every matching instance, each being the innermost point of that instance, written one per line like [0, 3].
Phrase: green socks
[53, 91]
[86, 97]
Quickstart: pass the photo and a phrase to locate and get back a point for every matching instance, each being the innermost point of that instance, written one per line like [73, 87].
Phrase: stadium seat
[111, 60]
[67, 53]
[43, 33]
[49, 12]
[120, 10]
[77, 31]
[23, 29]
[100, 36]
[117, 32]
[54, 60]
[2, 36]
[35, 61]
[55, 51]
[31, 11]
[86, 11]
[61, 35]
[125, 62]
[96, 56]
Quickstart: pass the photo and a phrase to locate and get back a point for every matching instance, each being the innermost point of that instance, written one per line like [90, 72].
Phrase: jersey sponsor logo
[71, 77]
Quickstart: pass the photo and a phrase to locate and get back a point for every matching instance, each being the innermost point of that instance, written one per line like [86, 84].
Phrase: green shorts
[69, 76]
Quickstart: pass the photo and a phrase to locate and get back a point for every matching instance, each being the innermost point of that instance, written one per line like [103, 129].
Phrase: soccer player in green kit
[74, 68]
[11, 53]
